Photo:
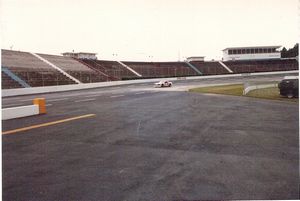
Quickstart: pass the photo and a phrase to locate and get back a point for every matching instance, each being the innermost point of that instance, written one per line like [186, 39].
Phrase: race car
[163, 84]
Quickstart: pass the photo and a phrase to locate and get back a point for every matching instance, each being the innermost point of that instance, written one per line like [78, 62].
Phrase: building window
[260, 50]
[243, 51]
[230, 52]
[233, 51]
[269, 50]
[248, 51]
[239, 51]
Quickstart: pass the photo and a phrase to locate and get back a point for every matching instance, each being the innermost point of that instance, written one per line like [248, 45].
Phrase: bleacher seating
[262, 65]
[209, 67]
[35, 72]
[161, 69]
[32, 70]
[111, 68]
[40, 78]
[75, 68]
[20, 60]
[8, 82]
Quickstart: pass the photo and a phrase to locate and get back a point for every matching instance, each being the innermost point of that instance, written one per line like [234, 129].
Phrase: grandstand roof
[231, 48]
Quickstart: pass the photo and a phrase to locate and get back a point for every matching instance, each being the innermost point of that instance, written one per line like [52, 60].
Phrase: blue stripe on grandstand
[193, 67]
[14, 77]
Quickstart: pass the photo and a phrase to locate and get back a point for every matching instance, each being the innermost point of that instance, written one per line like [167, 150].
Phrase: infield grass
[234, 89]
[271, 93]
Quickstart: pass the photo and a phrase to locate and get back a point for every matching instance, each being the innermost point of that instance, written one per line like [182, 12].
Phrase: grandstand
[75, 68]
[252, 66]
[111, 68]
[30, 70]
[24, 69]
[8, 82]
[210, 67]
[161, 69]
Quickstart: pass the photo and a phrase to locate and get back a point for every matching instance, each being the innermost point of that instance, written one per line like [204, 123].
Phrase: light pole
[116, 72]
[115, 55]
[150, 58]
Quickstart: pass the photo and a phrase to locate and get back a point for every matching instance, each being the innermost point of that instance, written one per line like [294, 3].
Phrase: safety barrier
[247, 89]
[38, 107]
[71, 87]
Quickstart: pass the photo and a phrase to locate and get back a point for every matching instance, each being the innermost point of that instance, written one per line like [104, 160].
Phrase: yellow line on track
[46, 124]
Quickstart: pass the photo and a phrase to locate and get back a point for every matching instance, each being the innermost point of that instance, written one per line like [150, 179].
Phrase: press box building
[251, 53]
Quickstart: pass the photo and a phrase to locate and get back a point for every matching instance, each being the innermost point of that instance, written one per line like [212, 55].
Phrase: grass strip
[234, 89]
[271, 93]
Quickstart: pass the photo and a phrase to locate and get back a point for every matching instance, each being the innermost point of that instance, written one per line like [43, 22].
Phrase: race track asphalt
[146, 144]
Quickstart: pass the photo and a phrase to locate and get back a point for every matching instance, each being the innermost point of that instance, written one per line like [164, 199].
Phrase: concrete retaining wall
[60, 88]
[17, 112]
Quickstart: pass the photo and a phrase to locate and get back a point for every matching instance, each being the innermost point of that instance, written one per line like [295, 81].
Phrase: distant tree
[292, 52]
[283, 52]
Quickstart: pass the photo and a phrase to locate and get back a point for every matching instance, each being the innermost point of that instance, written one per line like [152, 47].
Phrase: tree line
[291, 52]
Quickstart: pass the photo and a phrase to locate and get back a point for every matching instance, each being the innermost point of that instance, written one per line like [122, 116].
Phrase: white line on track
[95, 95]
[48, 105]
[91, 99]
[58, 99]
[116, 96]
[140, 93]
[20, 104]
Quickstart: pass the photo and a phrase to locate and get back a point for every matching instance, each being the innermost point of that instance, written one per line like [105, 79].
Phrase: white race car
[163, 84]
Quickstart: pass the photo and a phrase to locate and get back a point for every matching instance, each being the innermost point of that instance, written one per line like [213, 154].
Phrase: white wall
[17, 112]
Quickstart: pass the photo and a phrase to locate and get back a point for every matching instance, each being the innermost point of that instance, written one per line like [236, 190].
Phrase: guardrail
[259, 86]
[71, 87]
[38, 107]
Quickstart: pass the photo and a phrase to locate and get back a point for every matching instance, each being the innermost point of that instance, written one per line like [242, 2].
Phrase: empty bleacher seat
[32, 70]
[111, 68]
[209, 67]
[262, 65]
[8, 82]
[161, 69]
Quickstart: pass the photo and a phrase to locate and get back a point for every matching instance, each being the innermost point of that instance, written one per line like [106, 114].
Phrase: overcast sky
[158, 30]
